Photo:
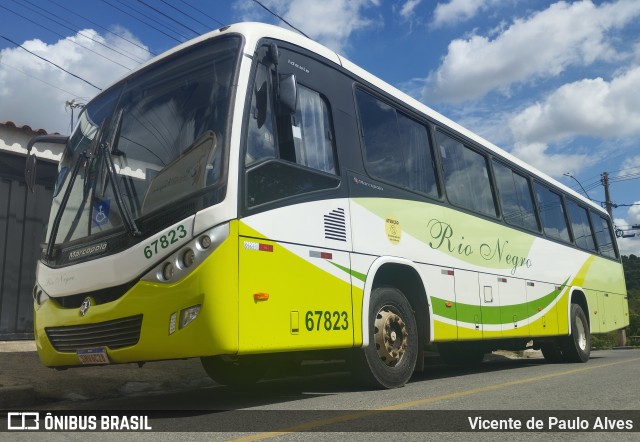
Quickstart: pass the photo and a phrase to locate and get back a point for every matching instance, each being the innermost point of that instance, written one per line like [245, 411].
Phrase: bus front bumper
[145, 323]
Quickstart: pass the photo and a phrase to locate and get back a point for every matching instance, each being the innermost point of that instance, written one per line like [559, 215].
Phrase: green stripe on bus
[357, 275]
[493, 314]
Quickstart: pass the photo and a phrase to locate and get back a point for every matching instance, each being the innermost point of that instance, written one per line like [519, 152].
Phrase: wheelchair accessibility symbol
[100, 213]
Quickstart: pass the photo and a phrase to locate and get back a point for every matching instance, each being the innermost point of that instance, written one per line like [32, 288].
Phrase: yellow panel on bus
[289, 301]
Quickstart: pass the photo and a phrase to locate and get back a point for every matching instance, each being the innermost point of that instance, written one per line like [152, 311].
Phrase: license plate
[93, 356]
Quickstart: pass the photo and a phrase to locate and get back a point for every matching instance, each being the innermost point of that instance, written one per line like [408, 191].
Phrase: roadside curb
[12, 397]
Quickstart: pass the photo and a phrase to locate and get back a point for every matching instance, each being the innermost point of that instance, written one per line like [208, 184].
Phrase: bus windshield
[164, 130]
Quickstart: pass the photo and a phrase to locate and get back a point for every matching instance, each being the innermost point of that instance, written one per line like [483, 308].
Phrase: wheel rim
[390, 335]
[581, 333]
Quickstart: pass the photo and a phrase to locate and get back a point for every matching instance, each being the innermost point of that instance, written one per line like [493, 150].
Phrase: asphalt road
[327, 406]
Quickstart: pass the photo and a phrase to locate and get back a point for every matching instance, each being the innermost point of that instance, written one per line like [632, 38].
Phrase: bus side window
[288, 155]
[552, 214]
[466, 176]
[581, 226]
[515, 196]
[604, 235]
[312, 133]
[397, 148]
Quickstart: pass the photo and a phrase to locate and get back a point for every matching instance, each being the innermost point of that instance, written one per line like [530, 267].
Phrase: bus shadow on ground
[292, 384]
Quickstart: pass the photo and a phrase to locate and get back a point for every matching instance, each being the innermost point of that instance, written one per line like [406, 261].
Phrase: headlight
[167, 271]
[205, 242]
[188, 258]
[183, 261]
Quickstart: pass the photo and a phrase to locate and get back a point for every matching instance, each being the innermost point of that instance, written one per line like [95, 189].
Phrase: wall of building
[23, 219]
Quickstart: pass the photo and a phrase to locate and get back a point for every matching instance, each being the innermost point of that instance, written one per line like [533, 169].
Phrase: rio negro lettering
[444, 238]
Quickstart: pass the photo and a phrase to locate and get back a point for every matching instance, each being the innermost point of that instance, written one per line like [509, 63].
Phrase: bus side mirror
[30, 172]
[288, 94]
[30, 164]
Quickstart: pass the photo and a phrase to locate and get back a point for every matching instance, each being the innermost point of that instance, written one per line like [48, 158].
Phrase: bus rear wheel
[577, 346]
[235, 373]
[390, 358]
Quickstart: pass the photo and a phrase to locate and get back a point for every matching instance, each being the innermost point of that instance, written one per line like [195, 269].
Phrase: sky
[556, 83]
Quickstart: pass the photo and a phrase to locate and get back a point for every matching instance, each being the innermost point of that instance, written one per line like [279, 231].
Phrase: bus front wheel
[390, 358]
[577, 346]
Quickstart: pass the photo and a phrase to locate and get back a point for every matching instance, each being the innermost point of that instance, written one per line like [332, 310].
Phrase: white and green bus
[251, 195]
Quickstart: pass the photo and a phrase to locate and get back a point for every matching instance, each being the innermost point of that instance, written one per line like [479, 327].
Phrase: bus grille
[114, 334]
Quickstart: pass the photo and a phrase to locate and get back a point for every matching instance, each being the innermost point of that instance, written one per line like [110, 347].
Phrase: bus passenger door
[295, 238]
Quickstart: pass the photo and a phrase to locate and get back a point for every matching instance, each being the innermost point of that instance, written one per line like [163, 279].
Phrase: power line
[38, 79]
[626, 168]
[140, 10]
[203, 13]
[625, 205]
[276, 15]
[50, 62]
[627, 177]
[147, 16]
[77, 31]
[141, 21]
[64, 37]
[169, 17]
[104, 29]
[185, 14]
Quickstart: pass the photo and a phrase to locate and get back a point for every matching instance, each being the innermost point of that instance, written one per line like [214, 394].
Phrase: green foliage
[603, 342]
[631, 266]
[634, 324]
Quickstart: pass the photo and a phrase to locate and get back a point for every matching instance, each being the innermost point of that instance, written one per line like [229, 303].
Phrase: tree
[631, 265]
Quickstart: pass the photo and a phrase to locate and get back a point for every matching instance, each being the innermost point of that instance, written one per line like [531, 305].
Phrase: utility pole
[73, 104]
[604, 179]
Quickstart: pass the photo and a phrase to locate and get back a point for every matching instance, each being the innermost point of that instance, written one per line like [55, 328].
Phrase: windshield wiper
[106, 150]
[84, 156]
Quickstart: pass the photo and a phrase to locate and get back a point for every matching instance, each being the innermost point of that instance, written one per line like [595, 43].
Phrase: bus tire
[390, 358]
[577, 346]
[234, 373]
